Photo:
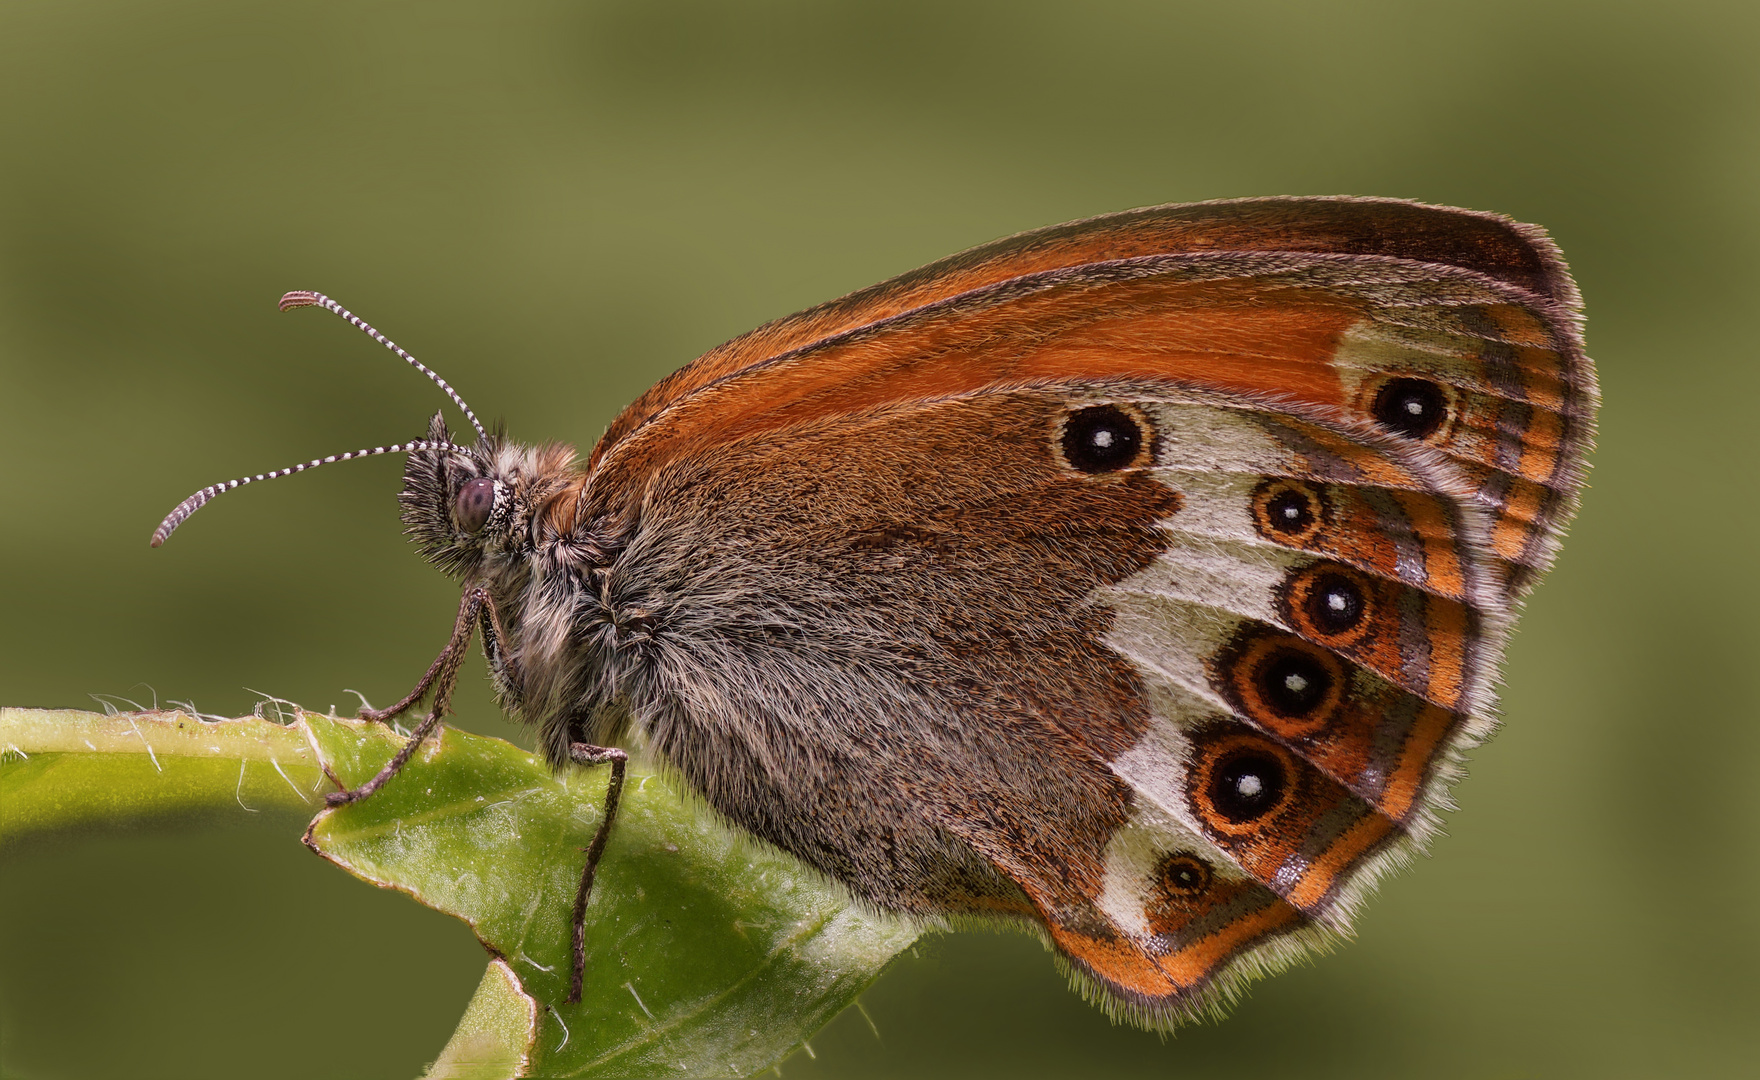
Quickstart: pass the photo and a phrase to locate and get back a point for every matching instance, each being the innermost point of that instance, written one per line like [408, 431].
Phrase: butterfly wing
[1457, 329]
[1488, 244]
[1102, 597]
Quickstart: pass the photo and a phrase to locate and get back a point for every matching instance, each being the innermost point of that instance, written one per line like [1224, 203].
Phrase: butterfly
[1140, 581]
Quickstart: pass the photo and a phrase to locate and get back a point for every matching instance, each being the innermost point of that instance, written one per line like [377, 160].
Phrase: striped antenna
[195, 502]
[301, 298]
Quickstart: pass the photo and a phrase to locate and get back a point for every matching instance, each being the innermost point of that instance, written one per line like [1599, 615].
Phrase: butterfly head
[471, 509]
[468, 506]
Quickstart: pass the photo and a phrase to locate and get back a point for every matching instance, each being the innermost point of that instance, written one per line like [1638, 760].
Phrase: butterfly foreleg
[503, 668]
[587, 754]
[441, 677]
[443, 672]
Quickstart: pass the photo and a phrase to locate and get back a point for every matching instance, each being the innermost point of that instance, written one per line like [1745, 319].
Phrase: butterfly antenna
[195, 502]
[302, 298]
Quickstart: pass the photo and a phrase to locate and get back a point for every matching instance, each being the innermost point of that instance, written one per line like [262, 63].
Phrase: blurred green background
[554, 204]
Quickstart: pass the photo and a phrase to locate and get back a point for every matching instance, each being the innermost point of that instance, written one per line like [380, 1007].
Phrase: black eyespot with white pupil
[1184, 875]
[1336, 604]
[1101, 439]
[1294, 683]
[1290, 511]
[1413, 407]
[474, 502]
[1247, 785]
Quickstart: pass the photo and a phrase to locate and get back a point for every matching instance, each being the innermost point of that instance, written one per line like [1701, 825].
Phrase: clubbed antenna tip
[302, 298]
[299, 298]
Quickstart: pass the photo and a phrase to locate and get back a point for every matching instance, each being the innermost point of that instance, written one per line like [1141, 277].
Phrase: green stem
[62, 768]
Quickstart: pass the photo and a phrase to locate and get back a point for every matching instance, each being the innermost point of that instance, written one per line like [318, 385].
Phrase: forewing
[1487, 244]
[1495, 372]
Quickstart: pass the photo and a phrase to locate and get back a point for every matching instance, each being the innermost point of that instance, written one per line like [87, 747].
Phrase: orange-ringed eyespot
[1103, 438]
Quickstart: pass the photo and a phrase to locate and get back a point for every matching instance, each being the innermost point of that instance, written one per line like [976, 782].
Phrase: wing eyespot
[1182, 877]
[1331, 604]
[1288, 686]
[1105, 438]
[1243, 780]
[1415, 408]
[1294, 683]
[1289, 512]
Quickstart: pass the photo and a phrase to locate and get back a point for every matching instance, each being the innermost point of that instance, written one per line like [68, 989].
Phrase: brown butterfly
[1139, 580]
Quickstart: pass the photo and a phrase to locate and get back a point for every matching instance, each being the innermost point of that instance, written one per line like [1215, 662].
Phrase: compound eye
[475, 500]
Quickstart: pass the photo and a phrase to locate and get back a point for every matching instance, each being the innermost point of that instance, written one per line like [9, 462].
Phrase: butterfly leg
[504, 672]
[441, 677]
[588, 754]
[450, 657]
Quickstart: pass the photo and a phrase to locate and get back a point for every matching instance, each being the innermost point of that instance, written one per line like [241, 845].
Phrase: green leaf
[495, 1038]
[706, 955]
